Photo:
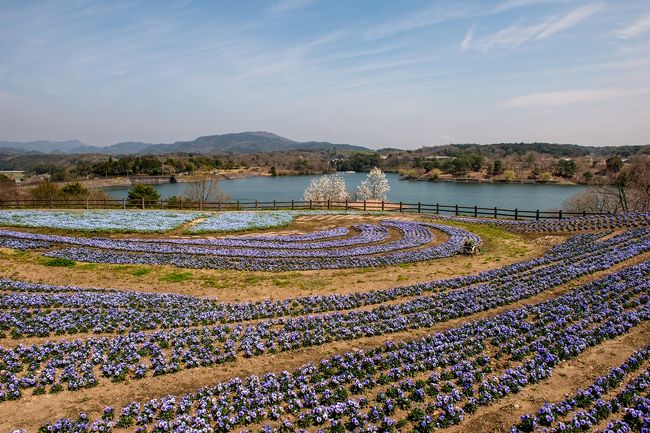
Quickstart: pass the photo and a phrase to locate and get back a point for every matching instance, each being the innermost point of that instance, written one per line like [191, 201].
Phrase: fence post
[559, 214]
[328, 205]
[87, 203]
[274, 206]
[292, 205]
[143, 203]
[123, 203]
[161, 204]
[456, 210]
[382, 205]
[400, 206]
[346, 204]
[364, 205]
[537, 214]
[516, 214]
[584, 213]
[419, 207]
[495, 212]
[309, 204]
[219, 205]
[237, 204]
[437, 208]
[255, 204]
[475, 211]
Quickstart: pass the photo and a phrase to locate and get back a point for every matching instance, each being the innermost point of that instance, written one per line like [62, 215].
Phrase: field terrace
[469, 324]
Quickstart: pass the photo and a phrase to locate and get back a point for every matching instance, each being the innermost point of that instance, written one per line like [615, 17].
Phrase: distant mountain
[243, 142]
[128, 147]
[45, 146]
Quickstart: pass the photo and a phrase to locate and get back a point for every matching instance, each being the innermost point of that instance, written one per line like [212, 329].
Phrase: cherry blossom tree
[375, 187]
[327, 187]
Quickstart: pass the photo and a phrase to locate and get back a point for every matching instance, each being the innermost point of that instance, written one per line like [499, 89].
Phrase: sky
[377, 73]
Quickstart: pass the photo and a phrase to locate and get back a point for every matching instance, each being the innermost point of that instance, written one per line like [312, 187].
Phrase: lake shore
[124, 181]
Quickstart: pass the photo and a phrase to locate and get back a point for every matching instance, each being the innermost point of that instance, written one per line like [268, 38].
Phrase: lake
[284, 188]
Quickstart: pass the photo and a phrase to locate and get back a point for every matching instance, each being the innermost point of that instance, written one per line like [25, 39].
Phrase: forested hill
[242, 142]
[550, 149]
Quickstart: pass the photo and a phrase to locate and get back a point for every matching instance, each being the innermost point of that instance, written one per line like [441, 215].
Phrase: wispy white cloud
[423, 18]
[571, 19]
[467, 40]
[290, 5]
[507, 5]
[636, 28]
[566, 97]
[517, 34]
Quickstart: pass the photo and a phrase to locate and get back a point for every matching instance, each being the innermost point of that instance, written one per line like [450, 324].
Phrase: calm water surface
[508, 196]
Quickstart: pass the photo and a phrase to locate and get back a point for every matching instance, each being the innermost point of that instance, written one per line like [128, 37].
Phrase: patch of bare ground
[32, 411]
[565, 380]
[500, 248]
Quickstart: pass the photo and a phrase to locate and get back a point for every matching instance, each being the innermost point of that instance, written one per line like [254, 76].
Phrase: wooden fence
[385, 206]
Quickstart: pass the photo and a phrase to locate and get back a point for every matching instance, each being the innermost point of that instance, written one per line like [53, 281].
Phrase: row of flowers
[254, 220]
[367, 233]
[433, 382]
[590, 406]
[413, 235]
[39, 310]
[384, 254]
[593, 222]
[136, 354]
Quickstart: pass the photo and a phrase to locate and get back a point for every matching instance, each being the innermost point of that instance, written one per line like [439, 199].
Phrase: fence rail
[437, 208]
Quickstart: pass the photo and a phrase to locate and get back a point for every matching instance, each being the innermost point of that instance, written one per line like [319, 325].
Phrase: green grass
[59, 262]
[176, 277]
[141, 272]
[88, 266]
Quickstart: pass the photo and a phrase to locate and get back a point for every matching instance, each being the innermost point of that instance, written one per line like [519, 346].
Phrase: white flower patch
[99, 220]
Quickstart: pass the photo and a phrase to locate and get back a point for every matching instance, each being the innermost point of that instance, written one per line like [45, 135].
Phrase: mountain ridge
[239, 142]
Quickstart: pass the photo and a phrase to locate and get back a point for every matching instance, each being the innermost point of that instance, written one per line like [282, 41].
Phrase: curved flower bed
[367, 234]
[72, 309]
[230, 221]
[74, 364]
[428, 383]
[403, 250]
[596, 222]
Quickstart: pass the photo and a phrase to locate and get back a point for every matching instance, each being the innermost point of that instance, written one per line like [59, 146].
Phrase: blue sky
[375, 73]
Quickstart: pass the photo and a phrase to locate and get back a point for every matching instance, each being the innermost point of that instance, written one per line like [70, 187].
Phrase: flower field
[98, 220]
[370, 246]
[469, 352]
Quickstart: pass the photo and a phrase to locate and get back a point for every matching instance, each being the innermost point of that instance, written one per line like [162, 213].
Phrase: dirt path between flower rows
[565, 380]
[31, 412]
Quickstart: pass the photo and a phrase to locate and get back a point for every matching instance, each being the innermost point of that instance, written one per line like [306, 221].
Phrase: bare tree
[8, 189]
[628, 190]
[203, 189]
[592, 200]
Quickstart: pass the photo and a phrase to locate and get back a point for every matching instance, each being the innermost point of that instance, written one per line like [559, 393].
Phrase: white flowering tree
[326, 187]
[375, 187]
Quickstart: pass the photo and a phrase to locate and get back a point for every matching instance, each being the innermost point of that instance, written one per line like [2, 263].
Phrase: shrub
[60, 262]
